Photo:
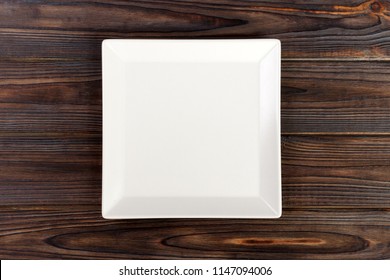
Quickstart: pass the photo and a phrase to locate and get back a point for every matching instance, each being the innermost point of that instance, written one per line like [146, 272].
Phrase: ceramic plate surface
[191, 129]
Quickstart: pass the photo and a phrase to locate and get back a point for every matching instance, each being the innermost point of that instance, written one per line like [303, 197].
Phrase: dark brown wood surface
[335, 130]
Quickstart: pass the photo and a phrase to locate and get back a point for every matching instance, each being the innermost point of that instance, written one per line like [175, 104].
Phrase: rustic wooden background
[335, 129]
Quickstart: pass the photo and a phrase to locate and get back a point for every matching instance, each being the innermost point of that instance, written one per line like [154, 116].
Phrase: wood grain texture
[301, 234]
[336, 97]
[335, 127]
[74, 29]
[336, 171]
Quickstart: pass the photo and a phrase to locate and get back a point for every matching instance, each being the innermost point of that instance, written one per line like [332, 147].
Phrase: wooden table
[335, 130]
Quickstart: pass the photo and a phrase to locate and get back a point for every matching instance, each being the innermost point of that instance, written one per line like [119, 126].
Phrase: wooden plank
[30, 72]
[74, 29]
[50, 97]
[335, 97]
[36, 118]
[323, 97]
[45, 169]
[43, 92]
[317, 171]
[80, 232]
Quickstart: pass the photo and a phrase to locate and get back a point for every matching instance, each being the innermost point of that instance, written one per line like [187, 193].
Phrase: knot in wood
[376, 7]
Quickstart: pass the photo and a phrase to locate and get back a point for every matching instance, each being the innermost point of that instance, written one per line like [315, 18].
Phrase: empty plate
[191, 129]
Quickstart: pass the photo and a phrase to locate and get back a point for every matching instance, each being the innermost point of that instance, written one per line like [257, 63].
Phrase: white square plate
[191, 129]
